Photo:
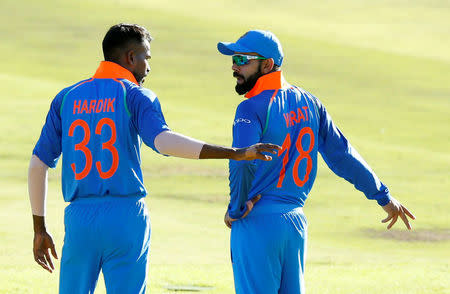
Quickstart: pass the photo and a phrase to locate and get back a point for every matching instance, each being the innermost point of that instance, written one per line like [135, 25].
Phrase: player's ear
[267, 65]
[130, 57]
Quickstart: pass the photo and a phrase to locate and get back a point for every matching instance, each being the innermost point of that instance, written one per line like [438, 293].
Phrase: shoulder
[66, 90]
[59, 98]
[310, 97]
[255, 106]
[256, 102]
[137, 92]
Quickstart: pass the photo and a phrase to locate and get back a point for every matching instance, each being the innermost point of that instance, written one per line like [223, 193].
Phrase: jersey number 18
[302, 154]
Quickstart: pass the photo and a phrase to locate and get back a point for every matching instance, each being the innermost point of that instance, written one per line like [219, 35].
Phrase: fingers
[265, 147]
[250, 203]
[44, 265]
[42, 247]
[228, 224]
[408, 213]
[404, 218]
[52, 249]
[388, 218]
[49, 260]
[42, 260]
[228, 220]
[271, 148]
[255, 199]
[394, 220]
[264, 157]
[394, 209]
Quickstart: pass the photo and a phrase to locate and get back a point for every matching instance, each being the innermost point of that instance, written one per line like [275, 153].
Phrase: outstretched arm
[246, 153]
[346, 162]
[37, 190]
[178, 145]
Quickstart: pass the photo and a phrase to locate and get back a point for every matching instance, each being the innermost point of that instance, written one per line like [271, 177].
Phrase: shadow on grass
[411, 236]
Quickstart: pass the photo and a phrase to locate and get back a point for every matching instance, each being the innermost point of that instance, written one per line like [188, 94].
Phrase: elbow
[37, 164]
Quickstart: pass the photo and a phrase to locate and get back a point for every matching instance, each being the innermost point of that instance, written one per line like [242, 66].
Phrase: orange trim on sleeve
[270, 81]
[111, 70]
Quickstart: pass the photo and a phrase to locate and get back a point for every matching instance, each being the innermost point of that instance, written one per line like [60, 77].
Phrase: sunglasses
[244, 59]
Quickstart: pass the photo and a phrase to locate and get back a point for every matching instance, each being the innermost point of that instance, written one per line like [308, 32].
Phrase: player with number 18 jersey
[274, 233]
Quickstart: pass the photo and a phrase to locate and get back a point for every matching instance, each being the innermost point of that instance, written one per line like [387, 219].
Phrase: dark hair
[119, 36]
[275, 68]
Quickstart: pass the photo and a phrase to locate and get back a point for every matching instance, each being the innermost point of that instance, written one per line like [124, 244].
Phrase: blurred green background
[382, 69]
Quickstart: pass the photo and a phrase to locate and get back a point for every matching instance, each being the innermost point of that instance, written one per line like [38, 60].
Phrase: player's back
[100, 146]
[292, 122]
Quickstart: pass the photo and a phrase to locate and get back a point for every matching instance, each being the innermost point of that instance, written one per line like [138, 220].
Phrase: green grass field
[382, 68]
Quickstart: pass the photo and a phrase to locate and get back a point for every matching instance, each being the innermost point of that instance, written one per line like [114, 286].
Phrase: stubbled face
[246, 75]
[141, 67]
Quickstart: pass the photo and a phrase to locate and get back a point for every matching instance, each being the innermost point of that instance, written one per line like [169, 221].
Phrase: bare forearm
[37, 185]
[178, 145]
[218, 152]
[174, 144]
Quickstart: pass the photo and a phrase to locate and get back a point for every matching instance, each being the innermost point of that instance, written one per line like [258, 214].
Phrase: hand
[250, 203]
[255, 152]
[395, 209]
[41, 244]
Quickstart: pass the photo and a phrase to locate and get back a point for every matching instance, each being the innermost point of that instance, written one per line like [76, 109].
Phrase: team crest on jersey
[241, 120]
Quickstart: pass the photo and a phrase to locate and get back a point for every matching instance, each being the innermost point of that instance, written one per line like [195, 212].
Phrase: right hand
[395, 209]
[41, 244]
[250, 203]
[255, 152]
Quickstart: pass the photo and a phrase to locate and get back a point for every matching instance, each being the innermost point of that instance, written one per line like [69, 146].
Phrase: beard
[248, 83]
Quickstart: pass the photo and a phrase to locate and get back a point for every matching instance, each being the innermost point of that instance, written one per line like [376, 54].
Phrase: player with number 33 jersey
[94, 113]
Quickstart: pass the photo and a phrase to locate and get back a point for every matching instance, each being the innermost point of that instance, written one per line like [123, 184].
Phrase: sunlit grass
[381, 69]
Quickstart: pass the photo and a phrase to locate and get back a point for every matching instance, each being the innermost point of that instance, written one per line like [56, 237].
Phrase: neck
[270, 81]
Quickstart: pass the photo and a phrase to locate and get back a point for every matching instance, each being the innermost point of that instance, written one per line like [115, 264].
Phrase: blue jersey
[279, 113]
[98, 125]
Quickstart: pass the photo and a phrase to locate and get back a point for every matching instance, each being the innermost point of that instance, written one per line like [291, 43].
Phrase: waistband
[273, 207]
[103, 199]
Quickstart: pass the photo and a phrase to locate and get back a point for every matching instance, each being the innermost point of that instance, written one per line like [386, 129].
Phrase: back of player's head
[120, 36]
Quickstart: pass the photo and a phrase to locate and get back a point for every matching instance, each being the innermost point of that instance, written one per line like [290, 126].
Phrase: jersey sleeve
[146, 115]
[48, 147]
[345, 161]
[247, 131]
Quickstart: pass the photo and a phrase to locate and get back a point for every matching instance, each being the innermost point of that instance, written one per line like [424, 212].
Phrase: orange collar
[111, 70]
[271, 81]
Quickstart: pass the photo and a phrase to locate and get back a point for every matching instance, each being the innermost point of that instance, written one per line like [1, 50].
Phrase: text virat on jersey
[292, 117]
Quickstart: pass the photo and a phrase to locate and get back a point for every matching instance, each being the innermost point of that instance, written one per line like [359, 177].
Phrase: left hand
[250, 203]
[255, 152]
[395, 209]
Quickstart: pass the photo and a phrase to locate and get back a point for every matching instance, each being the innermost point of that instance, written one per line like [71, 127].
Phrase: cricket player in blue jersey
[268, 244]
[98, 125]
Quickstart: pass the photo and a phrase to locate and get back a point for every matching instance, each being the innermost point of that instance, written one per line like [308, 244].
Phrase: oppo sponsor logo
[241, 120]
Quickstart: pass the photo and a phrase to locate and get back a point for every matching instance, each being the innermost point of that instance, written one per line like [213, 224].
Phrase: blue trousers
[268, 251]
[111, 234]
